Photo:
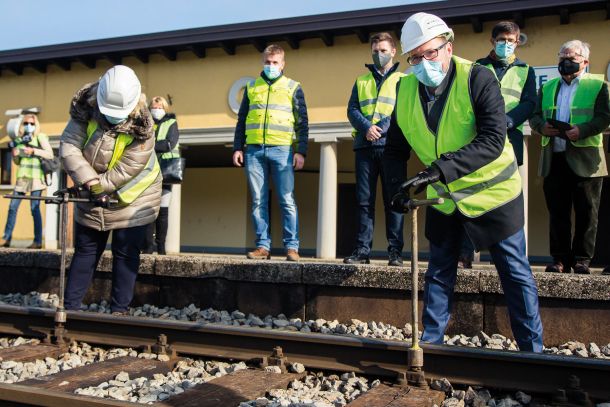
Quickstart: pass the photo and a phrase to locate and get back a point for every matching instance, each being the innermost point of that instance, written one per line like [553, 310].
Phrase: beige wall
[217, 213]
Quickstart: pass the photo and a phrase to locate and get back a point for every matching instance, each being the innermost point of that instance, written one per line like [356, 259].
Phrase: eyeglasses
[506, 41]
[571, 56]
[427, 55]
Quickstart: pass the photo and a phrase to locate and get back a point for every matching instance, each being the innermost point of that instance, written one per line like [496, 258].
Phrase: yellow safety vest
[373, 106]
[511, 86]
[581, 109]
[161, 131]
[270, 119]
[30, 167]
[479, 192]
[128, 192]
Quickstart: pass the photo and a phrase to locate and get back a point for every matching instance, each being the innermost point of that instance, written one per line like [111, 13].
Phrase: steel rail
[508, 370]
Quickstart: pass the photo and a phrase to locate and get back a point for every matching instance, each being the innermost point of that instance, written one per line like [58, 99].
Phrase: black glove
[428, 176]
[509, 122]
[74, 192]
[98, 196]
[399, 203]
[101, 200]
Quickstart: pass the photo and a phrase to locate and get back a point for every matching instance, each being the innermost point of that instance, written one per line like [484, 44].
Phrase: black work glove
[428, 176]
[509, 122]
[73, 192]
[399, 203]
[98, 196]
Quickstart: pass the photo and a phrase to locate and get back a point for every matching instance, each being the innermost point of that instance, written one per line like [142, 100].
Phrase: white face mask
[157, 114]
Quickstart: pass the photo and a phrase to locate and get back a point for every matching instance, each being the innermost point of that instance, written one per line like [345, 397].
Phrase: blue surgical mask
[114, 120]
[430, 73]
[29, 128]
[272, 71]
[504, 50]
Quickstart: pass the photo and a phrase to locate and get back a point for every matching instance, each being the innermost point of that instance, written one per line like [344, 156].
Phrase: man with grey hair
[571, 114]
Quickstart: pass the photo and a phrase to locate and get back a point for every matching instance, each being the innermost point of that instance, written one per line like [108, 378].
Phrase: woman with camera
[167, 148]
[108, 149]
[28, 148]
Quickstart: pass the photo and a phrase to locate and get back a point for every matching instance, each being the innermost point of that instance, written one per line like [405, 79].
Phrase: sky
[31, 23]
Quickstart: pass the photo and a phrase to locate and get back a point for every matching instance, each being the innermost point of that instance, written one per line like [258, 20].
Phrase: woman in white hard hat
[167, 148]
[107, 149]
[451, 114]
[28, 149]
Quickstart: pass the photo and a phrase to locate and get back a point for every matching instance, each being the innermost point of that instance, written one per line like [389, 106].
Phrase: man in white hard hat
[450, 112]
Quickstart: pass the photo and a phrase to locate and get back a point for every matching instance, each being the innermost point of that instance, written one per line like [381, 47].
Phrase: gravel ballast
[370, 329]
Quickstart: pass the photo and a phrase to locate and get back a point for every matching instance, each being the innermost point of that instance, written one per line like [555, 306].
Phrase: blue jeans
[369, 167]
[12, 217]
[274, 161]
[517, 281]
[89, 244]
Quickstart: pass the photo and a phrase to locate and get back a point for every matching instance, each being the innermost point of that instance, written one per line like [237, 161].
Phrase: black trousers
[564, 190]
[89, 244]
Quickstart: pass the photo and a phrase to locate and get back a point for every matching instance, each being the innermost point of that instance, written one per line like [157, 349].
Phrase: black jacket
[488, 104]
[167, 145]
[357, 119]
[299, 109]
[524, 110]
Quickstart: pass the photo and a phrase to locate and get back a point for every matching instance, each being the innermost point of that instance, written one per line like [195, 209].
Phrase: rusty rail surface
[471, 366]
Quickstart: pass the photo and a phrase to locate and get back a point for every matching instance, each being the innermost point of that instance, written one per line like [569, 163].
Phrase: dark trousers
[563, 190]
[156, 233]
[369, 167]
[89, 244]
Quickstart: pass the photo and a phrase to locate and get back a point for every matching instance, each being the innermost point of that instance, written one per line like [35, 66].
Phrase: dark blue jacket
[299, 109]
[361, 123]
[524, 110]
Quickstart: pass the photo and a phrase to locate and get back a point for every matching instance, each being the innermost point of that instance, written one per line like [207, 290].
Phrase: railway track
[528, 372]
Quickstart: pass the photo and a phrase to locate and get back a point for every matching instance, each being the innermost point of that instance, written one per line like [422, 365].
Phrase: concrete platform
[573, 307]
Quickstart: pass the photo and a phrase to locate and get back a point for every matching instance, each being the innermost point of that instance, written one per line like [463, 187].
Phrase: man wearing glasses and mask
[571, 114]
[451, 114]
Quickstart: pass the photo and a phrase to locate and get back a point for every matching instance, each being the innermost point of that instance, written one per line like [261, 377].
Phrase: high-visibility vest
[377, 106]
[581, 109]
[270, 119]
[30, 167]
[511, 86]
[128, 192]
[161, 131]
[474, 194]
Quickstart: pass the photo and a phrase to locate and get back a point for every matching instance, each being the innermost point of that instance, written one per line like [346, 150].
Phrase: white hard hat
[118, 91]
[421, 28]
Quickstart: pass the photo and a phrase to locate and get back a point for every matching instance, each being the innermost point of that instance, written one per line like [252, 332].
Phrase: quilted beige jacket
[84, 163]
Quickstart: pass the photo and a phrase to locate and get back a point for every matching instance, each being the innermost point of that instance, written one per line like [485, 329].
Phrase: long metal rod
[414, 282]
[62, 242]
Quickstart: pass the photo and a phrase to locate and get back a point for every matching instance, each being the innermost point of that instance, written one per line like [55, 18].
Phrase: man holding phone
[571, 114]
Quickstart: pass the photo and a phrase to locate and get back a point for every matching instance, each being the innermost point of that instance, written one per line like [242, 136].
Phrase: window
[6, 162]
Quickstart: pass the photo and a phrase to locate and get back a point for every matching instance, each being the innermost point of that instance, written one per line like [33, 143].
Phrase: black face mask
[568, 67]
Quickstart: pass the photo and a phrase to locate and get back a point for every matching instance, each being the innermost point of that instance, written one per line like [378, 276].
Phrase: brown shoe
[259, 254]
[292, 255]
[556, 267]
[35, 246]
[6, 243]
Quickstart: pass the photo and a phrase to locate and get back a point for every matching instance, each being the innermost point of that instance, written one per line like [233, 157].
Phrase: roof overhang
[292, 30]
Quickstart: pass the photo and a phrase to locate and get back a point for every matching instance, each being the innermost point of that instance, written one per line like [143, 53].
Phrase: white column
[172, 242]
[326, 242]
[524, 172]
[51, 218]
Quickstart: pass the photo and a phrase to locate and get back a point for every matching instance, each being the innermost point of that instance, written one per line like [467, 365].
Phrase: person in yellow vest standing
[271, 113]
[518, 86]
[108, 149]
[572, 160]
[369, 110]
[167, 148]
[30, 146]
[450, 112]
